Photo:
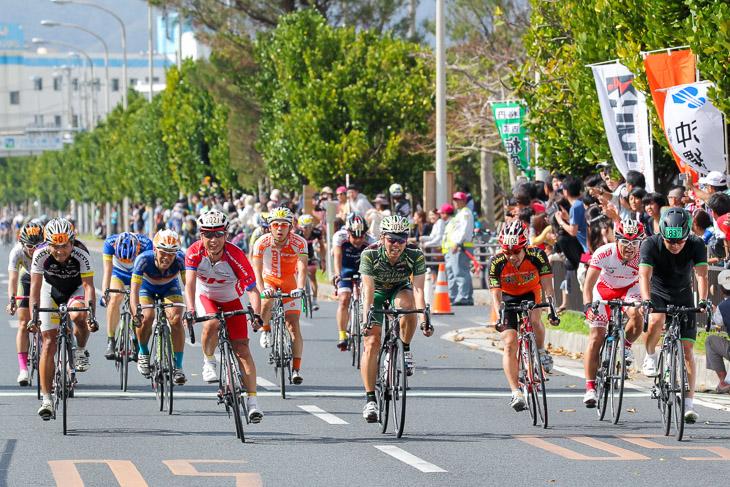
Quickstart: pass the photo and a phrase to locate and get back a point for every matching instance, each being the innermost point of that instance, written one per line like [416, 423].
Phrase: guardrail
[482, 252]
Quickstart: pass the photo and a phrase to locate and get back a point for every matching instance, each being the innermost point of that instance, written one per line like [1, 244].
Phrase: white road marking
[14, 323]
[409, 459]
[5, 281]
[265, 383]
[323, 415]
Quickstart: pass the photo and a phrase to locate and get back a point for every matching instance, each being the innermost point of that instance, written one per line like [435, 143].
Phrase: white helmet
[59, 231]
[166, 241]
[305, 220]
[396, 190]
[212, 220]
[395, 224]
[281, 214]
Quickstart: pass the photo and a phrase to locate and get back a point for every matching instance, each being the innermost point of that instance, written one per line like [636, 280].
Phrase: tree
[337, 102]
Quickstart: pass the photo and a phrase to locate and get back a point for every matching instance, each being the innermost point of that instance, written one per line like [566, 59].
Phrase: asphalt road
[460, 429]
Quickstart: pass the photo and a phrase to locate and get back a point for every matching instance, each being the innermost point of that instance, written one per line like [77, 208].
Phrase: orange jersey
[280, 262]
[503, 275]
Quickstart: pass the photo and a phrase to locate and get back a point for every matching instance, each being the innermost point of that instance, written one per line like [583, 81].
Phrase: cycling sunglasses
[513, 251]
[216, 234]
[279, 224]
[629, 243]
[675, 241]
[396, 240]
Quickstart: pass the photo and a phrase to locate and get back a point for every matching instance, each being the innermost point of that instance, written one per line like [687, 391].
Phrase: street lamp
[124, 40]
[38, 40]
[52, 23]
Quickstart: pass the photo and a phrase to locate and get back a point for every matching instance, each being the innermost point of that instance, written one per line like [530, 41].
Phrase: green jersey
[374, 262]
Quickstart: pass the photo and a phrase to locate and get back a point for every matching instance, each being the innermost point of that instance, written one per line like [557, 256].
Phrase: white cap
[723, 279]
[714, 178]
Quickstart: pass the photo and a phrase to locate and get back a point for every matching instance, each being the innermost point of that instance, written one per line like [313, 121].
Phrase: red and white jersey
[225, 280]
[614, 273]
[280, 262]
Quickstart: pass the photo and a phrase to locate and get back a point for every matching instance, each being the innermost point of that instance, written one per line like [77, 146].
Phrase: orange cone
[441, 302]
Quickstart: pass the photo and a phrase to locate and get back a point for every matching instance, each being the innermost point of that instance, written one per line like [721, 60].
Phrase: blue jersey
[120, 267]
[146, 271]
[350, 253]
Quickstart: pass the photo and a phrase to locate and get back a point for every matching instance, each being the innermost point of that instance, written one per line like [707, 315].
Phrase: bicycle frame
[281, 353]
[123, 337]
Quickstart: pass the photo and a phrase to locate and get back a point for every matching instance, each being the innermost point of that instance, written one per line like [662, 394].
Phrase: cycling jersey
[526, 279]
[157, 282]
[225, 280]
[19, 259]
[350, 253]
[280, 262]
[614, 273]
[315, 236]
[672, 272]
[387, 277]
[257, 234]
[64, 279]
[123, 269]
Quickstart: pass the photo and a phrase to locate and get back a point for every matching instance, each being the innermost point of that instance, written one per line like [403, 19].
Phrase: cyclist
[613, 274]
[348, 243]
[261, 230]
[315, 244]
[218, 274]
[665, 277]
[61, 273]
[401, 206]
[6, 230]
[21, 257]
[156, 274]
[516, 274]
[118, 260]
[280, 262]
[385, 270]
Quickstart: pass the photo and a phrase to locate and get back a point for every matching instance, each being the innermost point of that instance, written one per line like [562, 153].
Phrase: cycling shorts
[346, 286]
[510, 317]
[123, 278]
[601, 291]
[659, 299]
[170, 292]
[237, 325]
[50, 321]
[287, 285]
[23, 290]
[380, 297]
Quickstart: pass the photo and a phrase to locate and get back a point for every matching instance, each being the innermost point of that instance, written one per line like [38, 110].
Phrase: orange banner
[664, 70]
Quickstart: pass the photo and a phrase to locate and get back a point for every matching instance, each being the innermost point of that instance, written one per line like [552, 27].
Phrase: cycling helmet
[281, 214]
[629, 229]
[675, 224]
[264, 219]
[306, 220]
[58, 232]
[166, 241]
[396, 190]
[396, 225]
[127, 247]
[212, 220]
[513, 236]
[350, 217]
[356, 225]
[31, 234]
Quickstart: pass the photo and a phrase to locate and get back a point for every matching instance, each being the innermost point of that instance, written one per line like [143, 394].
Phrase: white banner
[695, 128]
[626, 119]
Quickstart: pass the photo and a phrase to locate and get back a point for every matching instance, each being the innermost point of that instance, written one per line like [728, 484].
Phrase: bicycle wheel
[538, 385]
[308, 298]
[602, 378]
[167, 367]
[663, 389]
[679, 385]
[398, 386]
[232, 390]
[156, 364]
[62, 390]
[524, 375]
[382, 386]
[617, 373]
[34, 361]
[124, 351]
[351, 332]
[282, 356]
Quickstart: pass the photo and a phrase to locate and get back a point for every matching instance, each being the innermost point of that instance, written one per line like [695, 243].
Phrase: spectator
[357, 202]
[675, 196]
[717, 347]
[401, 206]
[719, 205]
[568, 249]
[114, 219]
[342, 209]
[375, 215]
[714, 182]
[702, 225]
[420, 227]
[634, 179]
[575, 225]
[457, 240]
[600, 228]
[541, 237]
[177, 215]
[636, 203]
[437, 232]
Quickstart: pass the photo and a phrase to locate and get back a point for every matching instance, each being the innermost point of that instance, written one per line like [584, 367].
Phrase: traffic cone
[441, 302]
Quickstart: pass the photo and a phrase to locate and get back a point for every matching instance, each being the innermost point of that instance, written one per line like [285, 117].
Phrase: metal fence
[482, 252]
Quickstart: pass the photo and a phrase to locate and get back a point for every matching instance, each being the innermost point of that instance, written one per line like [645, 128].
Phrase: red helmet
[629, 229]
[513, 236]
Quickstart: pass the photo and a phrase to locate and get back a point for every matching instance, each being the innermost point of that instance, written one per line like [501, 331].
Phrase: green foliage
[337, 102]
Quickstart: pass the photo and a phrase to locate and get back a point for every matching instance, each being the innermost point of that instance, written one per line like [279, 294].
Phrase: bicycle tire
[539, 384]
[358, 332]
[168, 368]
[126, 350]
[523, 377]
[351, 332]
[617, 373]
[63, 389]
[232, 391]
[602, 375]
[118, 347]
[663, 386]
[308, 297]
[35, 355]
[382, 387]
[398, 387]
[678, 374]
[282, 358]
[156, 372]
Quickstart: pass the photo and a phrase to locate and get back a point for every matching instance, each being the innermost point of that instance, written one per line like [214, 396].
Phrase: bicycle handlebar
[526, 306]
[224, 314]
[426, 325]
[14, 302]
[63, 309]
[677, 310]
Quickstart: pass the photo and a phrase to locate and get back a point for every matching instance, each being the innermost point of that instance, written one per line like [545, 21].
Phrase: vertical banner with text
[508, 116]
[626, 119]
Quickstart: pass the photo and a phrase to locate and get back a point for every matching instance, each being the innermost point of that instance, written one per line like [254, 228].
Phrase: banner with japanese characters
[508, 116]
[626, 119]
[694, 128]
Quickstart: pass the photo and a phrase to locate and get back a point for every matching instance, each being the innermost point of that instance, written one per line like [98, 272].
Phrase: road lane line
[265, 383]
[409, 459]
[14, 323]
[322, 414]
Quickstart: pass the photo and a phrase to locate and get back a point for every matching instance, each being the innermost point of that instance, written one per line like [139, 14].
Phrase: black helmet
[676, 224]
[31, 234]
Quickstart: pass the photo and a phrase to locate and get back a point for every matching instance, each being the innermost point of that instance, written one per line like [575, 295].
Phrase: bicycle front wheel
[398, 386]
[679, 386]
[382, 386]
[617, 373]
[603, 378]
[308, 298]
[232, 389]
[538, 384]
[663, 386]
[34, 361]
[156, 376]
[125, 350]
[168, 369]
[62, 388]
[280, 343]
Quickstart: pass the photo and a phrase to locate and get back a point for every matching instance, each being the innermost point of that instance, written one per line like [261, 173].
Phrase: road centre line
[322, 414]
[266, 384]
[409, 459]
